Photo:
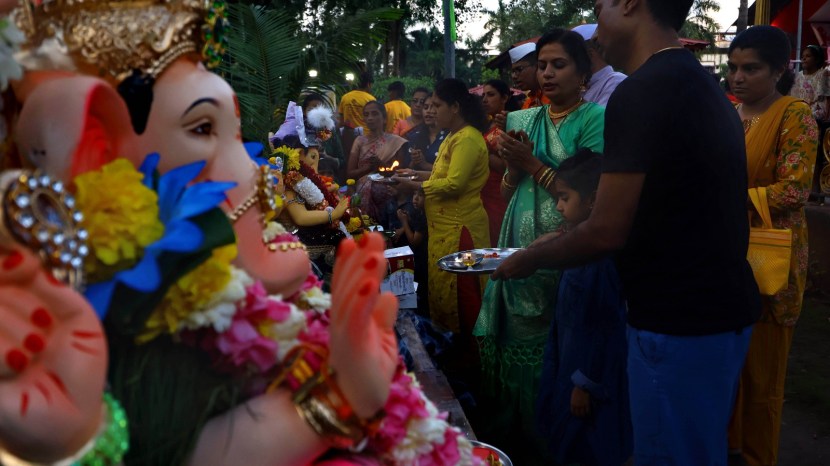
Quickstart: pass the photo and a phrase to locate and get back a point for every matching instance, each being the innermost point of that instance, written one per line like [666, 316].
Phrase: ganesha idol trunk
[195, 116]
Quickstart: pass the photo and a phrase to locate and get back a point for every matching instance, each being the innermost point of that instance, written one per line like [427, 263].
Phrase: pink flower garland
[412, 432]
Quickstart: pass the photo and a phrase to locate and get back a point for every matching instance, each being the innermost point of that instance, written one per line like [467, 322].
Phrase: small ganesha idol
[310, 203]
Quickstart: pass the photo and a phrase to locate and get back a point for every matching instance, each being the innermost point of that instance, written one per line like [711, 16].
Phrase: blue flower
[178, 203]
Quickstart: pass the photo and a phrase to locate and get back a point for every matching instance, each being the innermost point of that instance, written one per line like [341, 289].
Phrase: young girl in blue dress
[583, 409]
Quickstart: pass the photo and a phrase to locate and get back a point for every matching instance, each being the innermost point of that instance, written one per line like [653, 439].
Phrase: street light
[312, 73]
[349, 77]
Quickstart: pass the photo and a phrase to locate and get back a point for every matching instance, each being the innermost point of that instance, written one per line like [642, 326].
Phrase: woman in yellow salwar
[456, 218]
[516, 314]
[781, 142]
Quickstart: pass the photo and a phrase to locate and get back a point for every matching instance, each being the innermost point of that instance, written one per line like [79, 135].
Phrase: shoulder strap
[761, 203]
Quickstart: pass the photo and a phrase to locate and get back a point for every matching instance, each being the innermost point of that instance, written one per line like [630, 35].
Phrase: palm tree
[269, 56]
[700, 24]
[425, 53]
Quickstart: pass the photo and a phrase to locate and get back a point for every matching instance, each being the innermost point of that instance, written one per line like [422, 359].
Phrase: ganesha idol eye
[38, 212]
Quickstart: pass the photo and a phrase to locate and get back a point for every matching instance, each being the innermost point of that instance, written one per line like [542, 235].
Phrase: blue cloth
[603, 83]
[682, 394]
[586, 348]
[419, 139]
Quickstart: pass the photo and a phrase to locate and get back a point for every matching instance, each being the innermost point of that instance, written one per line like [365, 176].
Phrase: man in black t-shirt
[671, 204]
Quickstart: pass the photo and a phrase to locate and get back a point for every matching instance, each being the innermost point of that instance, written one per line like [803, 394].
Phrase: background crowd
[578, 165]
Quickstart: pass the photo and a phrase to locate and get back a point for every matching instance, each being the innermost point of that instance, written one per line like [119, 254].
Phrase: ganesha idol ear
[71, 125]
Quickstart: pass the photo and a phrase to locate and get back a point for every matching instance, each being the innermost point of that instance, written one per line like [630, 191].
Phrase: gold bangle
[550, 181]
[541, 179]
[324, 421]
[546, 178]
[320, 402]
[506, 184]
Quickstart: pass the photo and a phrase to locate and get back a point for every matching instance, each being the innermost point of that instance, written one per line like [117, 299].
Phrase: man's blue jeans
[682, 394]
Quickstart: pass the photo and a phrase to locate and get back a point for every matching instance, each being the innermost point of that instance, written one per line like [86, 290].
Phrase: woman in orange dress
[781, 146]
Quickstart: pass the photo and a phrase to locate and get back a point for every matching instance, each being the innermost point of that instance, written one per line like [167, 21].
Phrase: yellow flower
[191, 293]
[350, 182]
[120, 214]
[291, 156]
[354, 224]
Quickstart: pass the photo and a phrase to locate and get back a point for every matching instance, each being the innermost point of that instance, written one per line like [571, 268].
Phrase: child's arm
[414, 237]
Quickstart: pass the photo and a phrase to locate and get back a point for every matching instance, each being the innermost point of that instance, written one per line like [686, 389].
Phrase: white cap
[587, 31]
[521, 51]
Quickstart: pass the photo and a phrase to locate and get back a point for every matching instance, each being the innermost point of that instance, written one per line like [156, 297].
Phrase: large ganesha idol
[222, 347]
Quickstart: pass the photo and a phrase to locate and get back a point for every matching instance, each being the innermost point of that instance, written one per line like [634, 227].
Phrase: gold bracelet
[538, 179]
[550, 181]
[506, 184]
[320, 402]
[546, 178]
[325, 422]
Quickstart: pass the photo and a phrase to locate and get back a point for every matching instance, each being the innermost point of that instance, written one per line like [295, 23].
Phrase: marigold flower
[120, 214]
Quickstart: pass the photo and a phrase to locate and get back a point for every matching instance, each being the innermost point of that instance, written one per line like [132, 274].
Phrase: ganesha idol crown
[114, 38]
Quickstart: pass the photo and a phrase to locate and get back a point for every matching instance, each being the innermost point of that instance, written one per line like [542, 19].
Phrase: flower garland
[205, 287]
[312, 175]
[310, 193]
[257, 334]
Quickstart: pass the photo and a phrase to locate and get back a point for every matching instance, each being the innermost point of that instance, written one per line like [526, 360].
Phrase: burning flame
[390, 168]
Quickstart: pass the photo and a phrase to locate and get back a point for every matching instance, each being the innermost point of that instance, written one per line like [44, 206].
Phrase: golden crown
[111, 38]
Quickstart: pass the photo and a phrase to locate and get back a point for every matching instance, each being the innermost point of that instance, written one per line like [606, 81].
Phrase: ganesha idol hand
[363, 348]
[54, 359]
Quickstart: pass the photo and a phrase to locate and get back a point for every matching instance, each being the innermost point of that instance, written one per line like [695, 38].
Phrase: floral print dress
[813, 89]
[787, 173]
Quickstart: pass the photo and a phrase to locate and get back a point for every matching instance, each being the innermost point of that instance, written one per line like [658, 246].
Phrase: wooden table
[432, 380]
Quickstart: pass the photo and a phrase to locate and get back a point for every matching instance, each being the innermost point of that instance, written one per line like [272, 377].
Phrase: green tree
[424, 53]
[424, 56]
[470, 60]
[318, 16]
[700, 25]
[268, 58]
[522, 19]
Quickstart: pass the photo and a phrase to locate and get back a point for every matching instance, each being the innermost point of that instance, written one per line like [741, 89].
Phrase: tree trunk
[395, 39]
[386, 51]
[742, 17]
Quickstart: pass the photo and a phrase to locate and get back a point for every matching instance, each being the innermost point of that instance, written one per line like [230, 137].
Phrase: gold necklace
[674, 47]
[748, 122]
[556, 116]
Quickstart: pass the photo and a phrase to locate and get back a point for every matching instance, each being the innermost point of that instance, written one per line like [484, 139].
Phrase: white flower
[309, 192]
[219, 311]
[421, 436]
[285, 333]
[316, 299]
[271, 231]
[465, 448]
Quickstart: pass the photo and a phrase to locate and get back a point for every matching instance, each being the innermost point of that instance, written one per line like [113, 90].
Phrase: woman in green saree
[515, 315]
